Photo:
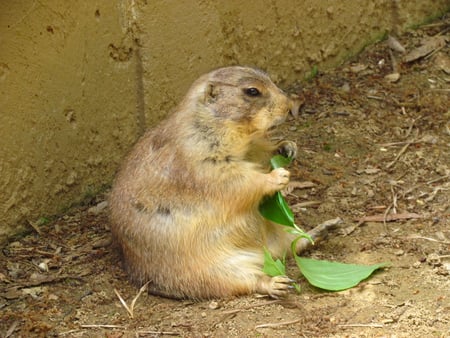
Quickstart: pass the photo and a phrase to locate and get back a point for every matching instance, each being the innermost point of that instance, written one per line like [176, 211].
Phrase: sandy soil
[372, 145]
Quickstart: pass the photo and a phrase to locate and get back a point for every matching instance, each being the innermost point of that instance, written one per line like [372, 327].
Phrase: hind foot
[275, 287]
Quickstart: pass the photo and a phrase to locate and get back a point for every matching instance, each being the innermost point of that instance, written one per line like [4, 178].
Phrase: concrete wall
[80, 80]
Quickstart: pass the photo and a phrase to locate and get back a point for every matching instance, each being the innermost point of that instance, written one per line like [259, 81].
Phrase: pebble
[97, 209]
[43, 266]
[434, 259]
[214, 305]
[399, 252]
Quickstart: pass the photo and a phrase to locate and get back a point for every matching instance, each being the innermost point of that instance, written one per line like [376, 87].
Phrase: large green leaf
[334, 276]
[274, 207]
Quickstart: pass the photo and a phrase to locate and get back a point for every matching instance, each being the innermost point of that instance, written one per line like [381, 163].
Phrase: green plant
[332, 276]
[312, 74]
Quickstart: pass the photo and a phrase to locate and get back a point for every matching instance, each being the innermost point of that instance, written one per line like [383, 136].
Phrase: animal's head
[242, 95]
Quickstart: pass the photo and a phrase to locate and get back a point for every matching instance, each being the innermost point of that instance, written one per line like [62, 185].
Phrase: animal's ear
[211, 92]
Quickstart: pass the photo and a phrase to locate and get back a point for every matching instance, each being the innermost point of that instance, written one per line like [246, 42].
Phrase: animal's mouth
[279, 120]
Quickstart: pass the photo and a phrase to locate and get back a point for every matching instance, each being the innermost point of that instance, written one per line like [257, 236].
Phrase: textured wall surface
[80, 81]
[67, 104]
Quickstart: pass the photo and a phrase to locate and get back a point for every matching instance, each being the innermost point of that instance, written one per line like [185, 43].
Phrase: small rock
[72, 178]
[3, 278]
[371, 171]
[97, 209]
[440, 236]
[429, 139]
[446, 266]
[43, 266]
[416, 265]
[34, 292]
[356, 68]
[102, 243]
[399, 252]
[214, 305]
[443, 270]
[345, 87]
[52, 296]
[393, 77]
[395, 45]
[434, 259]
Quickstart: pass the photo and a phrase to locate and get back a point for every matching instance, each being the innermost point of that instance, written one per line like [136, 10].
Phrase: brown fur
[184, 205]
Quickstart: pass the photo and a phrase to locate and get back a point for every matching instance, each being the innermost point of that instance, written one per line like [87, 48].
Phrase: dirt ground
[374, 138]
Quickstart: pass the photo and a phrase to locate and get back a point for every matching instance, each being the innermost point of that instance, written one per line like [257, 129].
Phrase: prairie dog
[184, 205]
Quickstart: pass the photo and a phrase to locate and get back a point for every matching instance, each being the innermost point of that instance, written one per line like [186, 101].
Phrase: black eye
[252, 91]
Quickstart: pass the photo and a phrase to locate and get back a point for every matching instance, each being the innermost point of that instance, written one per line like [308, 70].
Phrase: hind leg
[242, 273]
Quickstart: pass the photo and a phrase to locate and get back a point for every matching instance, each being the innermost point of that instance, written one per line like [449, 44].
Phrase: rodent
[184, 204]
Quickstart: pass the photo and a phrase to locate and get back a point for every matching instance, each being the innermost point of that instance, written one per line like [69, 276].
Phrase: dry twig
[300, 205]
[158, 333]
[318, 233]
[361, 325]
[103, 326]
[427, 239]
[274, 325]
[390, 217]
[130, 309]
[35, 226]
[11, 329]
[390, 164]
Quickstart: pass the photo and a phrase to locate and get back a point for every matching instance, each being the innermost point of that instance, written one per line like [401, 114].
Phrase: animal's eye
[252, 91]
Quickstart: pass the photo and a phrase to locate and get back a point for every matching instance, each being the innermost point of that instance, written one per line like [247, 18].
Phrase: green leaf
[274, 207]
[334, 276]
[279, 161]
[297, 288]
[273, 267]
[313, 73]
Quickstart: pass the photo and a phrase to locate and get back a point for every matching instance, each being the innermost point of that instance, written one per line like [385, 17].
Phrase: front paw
[278, 179]
[287, 149]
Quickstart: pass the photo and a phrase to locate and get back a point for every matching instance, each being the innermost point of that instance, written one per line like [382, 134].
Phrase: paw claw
[288, 149]
[279, 286]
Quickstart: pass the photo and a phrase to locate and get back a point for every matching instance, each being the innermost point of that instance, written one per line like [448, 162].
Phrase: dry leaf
[301, 185]
[369, 171]
[359, 67]
[428, 46]
[395, 45]
[443, 62]
[297, 185]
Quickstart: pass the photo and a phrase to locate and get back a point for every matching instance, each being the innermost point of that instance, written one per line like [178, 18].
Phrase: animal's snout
[295, 104]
